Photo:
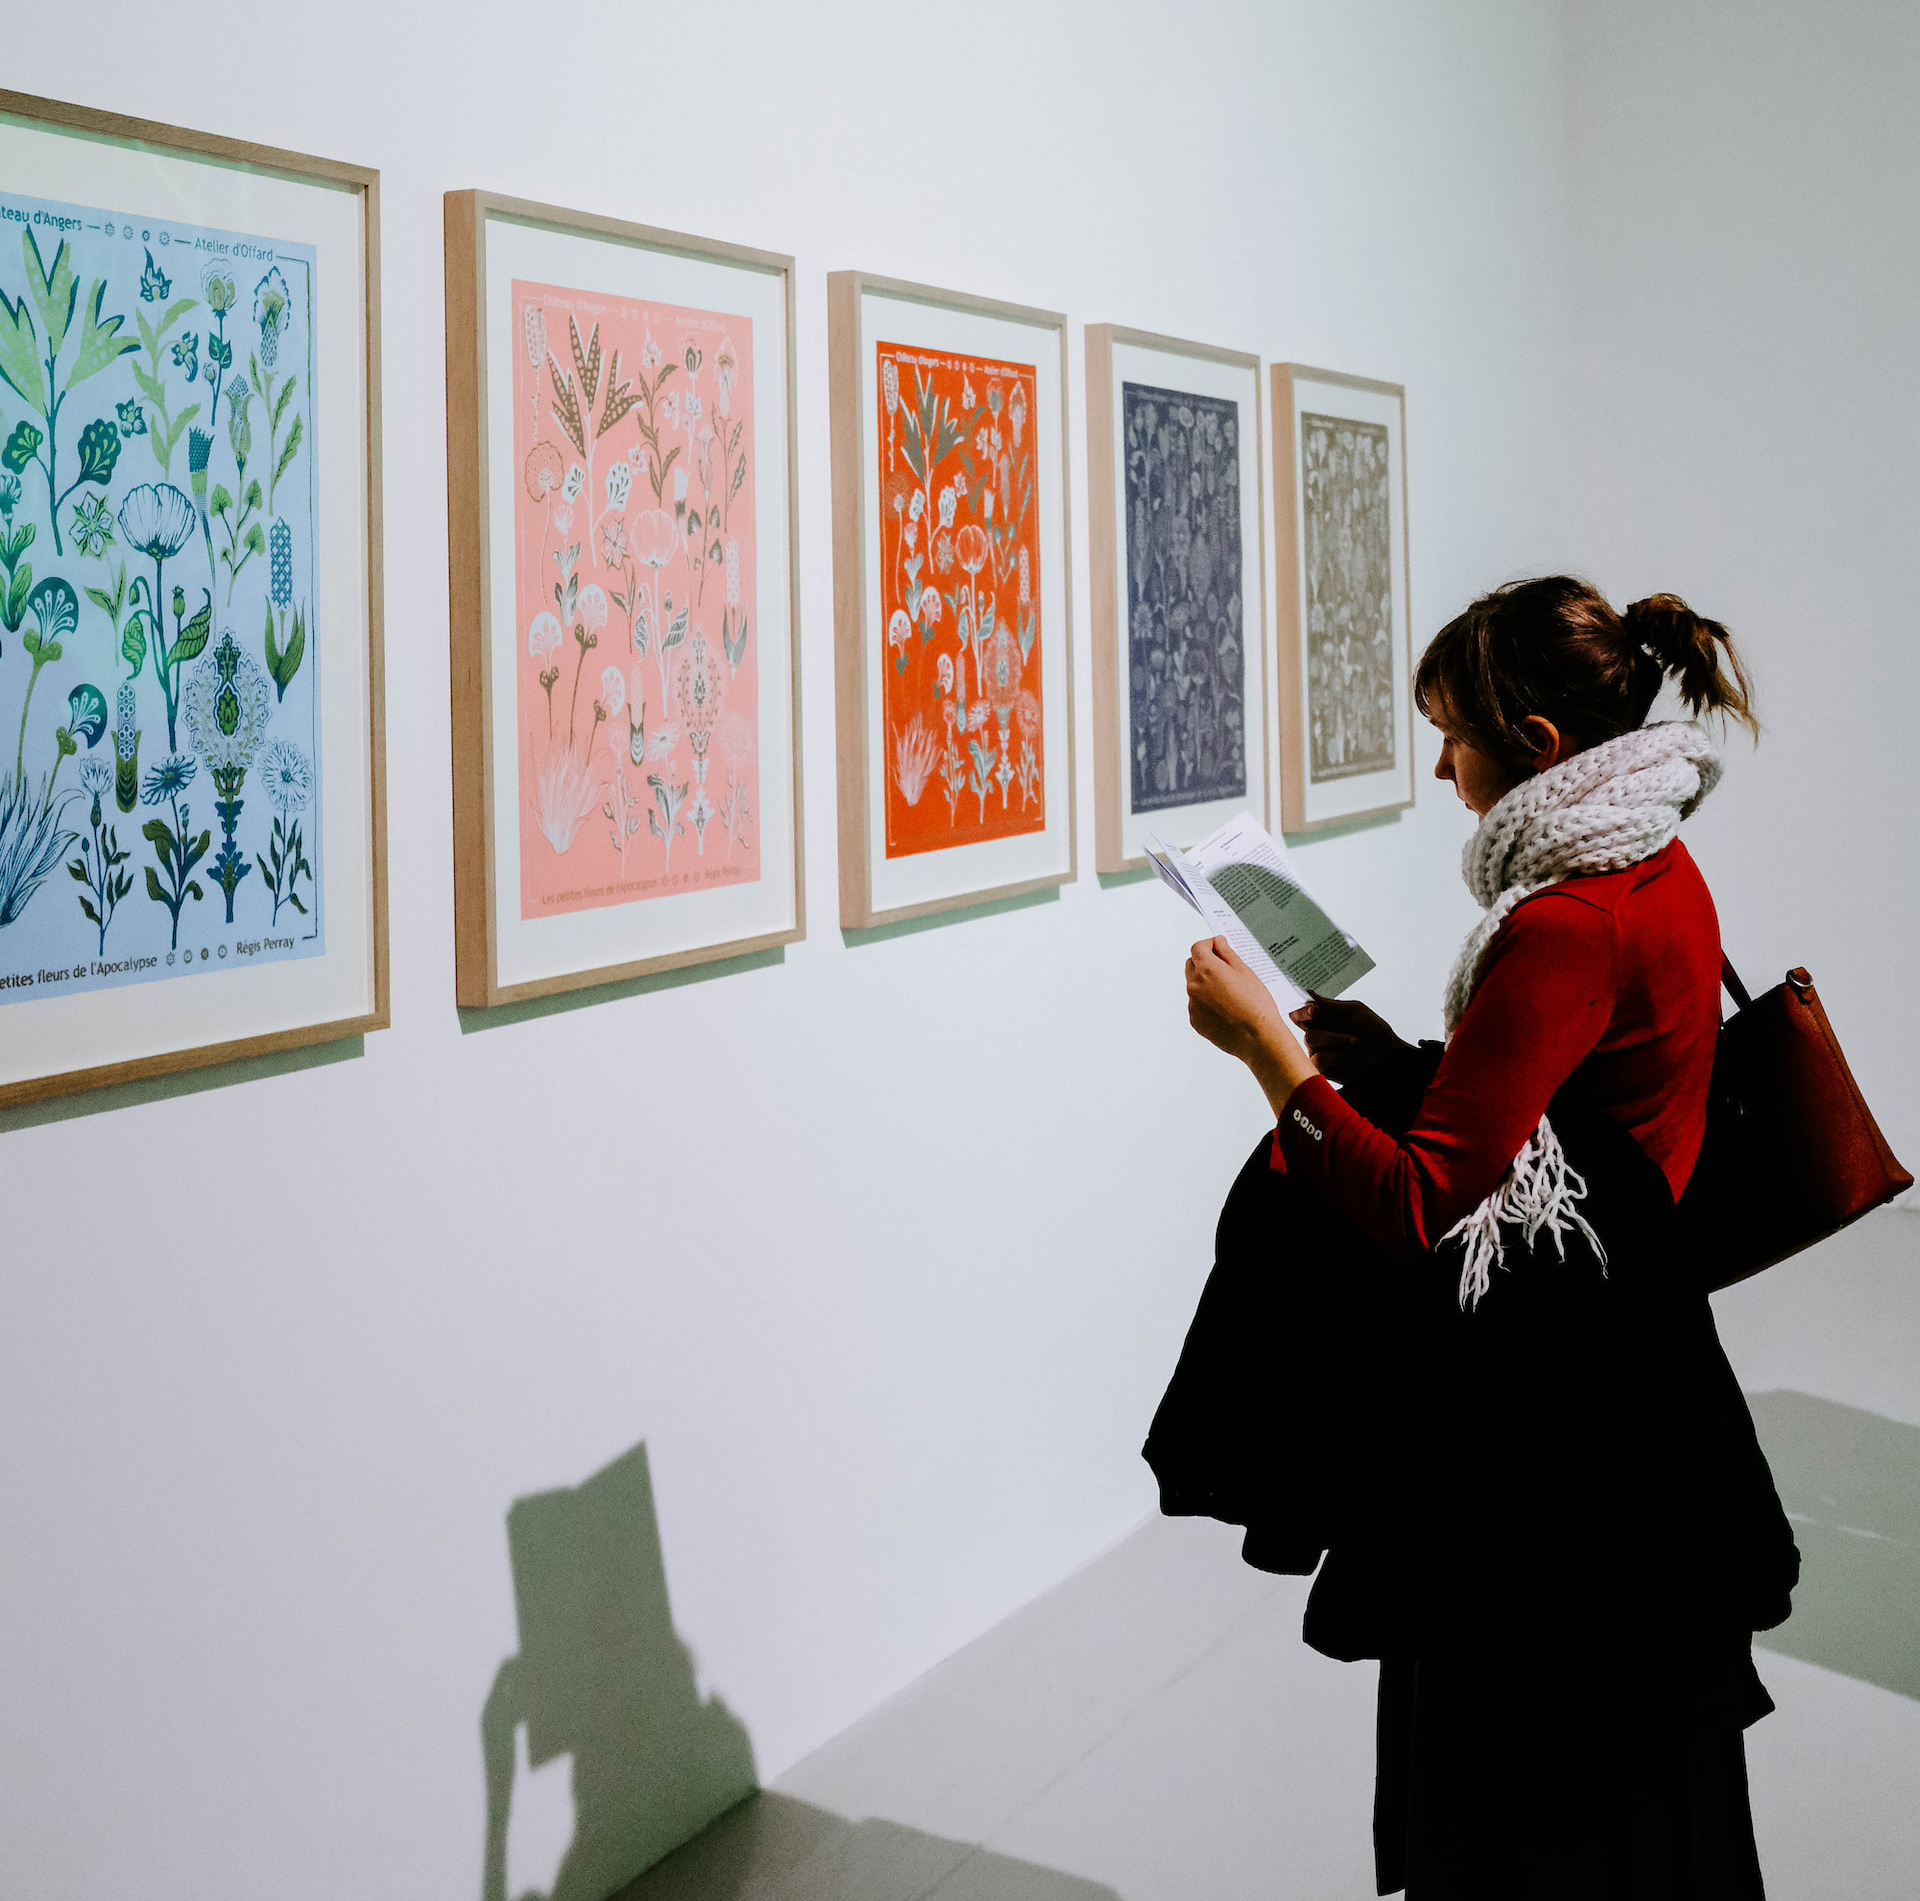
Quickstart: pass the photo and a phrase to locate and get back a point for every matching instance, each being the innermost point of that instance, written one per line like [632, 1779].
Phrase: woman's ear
[1548, 743]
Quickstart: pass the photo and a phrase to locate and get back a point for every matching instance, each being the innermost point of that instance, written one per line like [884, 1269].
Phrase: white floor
[1154, 1730]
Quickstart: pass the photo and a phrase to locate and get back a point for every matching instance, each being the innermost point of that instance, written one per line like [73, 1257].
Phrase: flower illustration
[670, 411]
[92, 525]
[157, 520]
[227, 704]
[613, 541]
[967, 399]
[613, 690]
[280, 565]
[916, 502]
[563, 526]
[899, 630]
[217, 287]
[1017, 412]
[619, 484]
[544, 635]
[986, 504]
[1026, 580]
[533, 324]
[930, 606]
[725, 368]
[272, 306]
[133, 419]
[960, 484]
[914, 754]
[680, 480]
[97, 777]
[288, 777]
[592, 607]
[733, 572]
[9, 493]
[169, 778]
[656, 537]
[944, 669]
[972, 547]
[575, 482]
[126, 749]
[650, 355]
[542, 471]
[946, 506]
[890, 384]
[691, 357]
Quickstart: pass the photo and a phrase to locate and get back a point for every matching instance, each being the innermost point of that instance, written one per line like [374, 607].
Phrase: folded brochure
[1245, 887]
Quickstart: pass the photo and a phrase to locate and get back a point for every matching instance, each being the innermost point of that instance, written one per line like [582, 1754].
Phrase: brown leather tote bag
[1792, 1153]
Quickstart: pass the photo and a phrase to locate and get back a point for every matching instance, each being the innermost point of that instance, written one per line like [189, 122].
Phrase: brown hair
[1553, 647]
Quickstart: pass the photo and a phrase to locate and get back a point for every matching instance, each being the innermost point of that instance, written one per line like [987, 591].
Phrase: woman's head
[1539, 670]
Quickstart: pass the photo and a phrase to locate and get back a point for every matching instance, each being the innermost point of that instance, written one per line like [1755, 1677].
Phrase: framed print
[1344, 629]
[1179, 590]
[192, 834]
[625, 633]
[953, 653]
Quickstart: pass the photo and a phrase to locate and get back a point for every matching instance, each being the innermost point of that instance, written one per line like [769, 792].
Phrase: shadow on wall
[772, 1848]
[601, 1686]
[1850, 1481]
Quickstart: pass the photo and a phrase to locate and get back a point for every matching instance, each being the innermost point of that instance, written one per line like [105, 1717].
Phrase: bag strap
[1731, 978]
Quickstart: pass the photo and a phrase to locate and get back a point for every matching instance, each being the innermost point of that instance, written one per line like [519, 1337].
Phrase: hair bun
[1691, 651]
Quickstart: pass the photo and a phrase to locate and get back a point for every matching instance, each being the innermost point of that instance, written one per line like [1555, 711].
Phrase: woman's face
[1479, 778]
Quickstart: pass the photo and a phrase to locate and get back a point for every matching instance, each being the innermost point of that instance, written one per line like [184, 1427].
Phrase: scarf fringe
[1541, 1190]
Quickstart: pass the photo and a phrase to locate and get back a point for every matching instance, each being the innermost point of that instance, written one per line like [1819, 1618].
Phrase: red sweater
[1616, 975]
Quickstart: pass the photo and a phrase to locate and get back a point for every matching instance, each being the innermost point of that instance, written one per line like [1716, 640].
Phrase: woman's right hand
[1345, 1040]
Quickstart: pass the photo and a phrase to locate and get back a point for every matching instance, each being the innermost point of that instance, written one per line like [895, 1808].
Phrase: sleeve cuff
[1300, 1141]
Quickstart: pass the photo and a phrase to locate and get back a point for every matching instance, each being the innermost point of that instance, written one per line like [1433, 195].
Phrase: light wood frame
[243, 154]
[469, 560]
[846, 349]
[1292, 687]
[1106, 535]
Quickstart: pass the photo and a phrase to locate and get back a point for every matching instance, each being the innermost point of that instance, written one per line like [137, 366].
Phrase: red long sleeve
[1618, 972]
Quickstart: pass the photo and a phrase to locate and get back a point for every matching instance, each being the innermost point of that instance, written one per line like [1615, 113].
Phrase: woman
[1487, 1379]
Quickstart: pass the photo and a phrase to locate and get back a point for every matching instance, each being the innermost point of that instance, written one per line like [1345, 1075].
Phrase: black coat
[1574, 1454]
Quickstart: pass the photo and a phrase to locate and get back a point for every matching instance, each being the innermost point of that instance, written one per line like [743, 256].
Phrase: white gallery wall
[882, 1249]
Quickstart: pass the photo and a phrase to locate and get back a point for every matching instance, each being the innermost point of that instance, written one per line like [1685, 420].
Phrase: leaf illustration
[566, 404]
[287, 453]
[23, 443]
[16, 602]
[53, 291]
[193, 636]
[133, 644]
[19, 352]
[99, 451]
[621, 397]
[100, 340]
[280, 402]
[87, 711]
[587, 363]
[56, 607]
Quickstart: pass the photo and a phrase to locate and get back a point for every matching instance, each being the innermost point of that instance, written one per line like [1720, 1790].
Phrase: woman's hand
[1236, 1012]
[1226, 1002]
[1345, 1040]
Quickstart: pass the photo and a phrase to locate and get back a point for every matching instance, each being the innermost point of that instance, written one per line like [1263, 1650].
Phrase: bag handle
[1735, 988]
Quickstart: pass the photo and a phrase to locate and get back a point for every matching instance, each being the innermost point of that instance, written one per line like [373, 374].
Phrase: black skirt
[1523, 1780]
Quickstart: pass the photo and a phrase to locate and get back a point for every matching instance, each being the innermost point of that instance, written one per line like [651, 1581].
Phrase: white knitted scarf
[1602, 810]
